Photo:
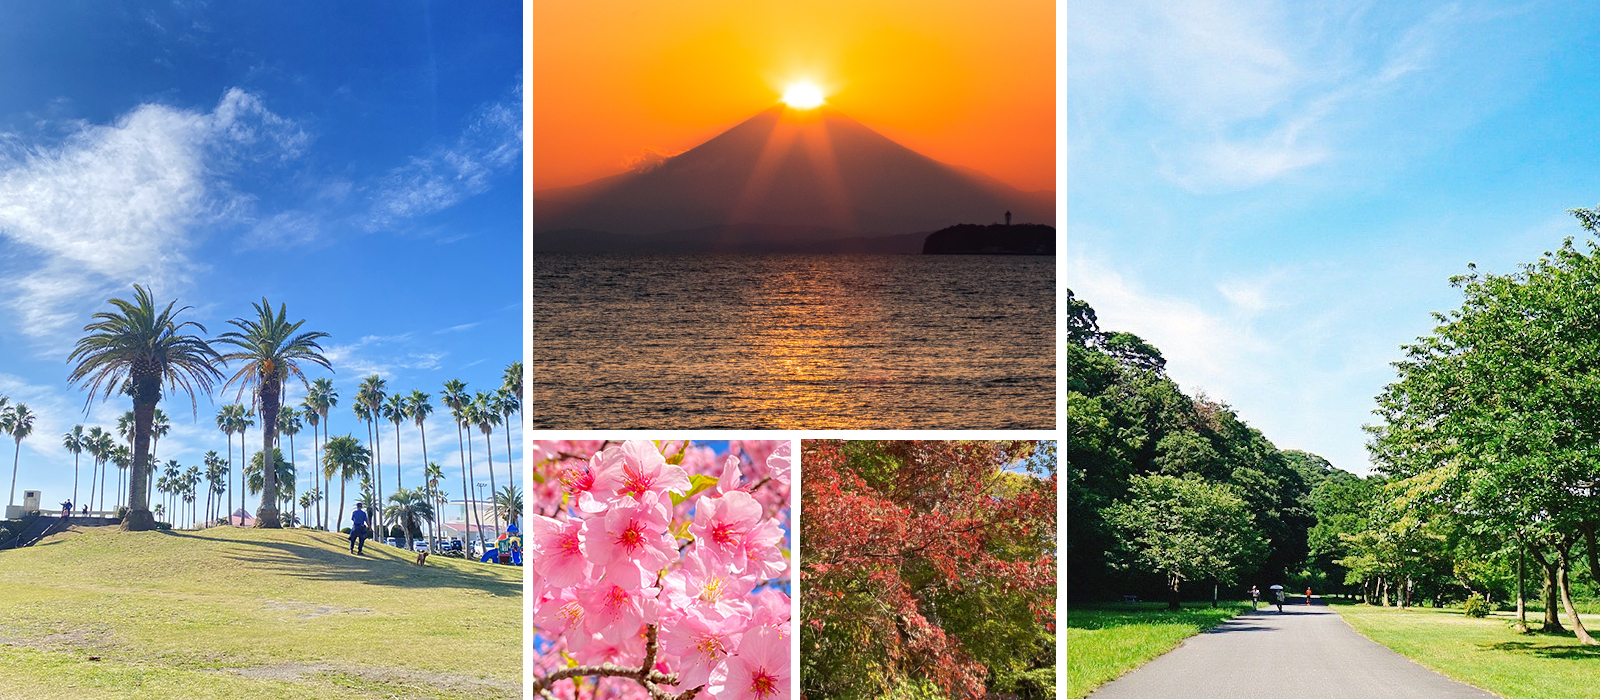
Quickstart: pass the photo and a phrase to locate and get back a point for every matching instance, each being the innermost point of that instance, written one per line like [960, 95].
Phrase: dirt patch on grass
[397, 680]
[74, 639]
[307, 611]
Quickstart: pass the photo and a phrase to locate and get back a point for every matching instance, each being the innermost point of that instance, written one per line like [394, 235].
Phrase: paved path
[1305, 652]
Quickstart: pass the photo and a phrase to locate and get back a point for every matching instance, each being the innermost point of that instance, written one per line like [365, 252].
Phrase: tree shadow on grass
[319, 562]
[1549, 651]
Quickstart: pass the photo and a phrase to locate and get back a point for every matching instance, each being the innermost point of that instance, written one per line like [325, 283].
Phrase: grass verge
[1106, 641]
[231, 613]
[1485, 652]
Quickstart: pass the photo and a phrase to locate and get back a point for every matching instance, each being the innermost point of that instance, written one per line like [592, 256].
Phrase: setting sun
[803, 95]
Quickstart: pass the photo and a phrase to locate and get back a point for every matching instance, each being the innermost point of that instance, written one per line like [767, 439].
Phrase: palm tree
[18, 423]
[418, 409]
[272, 351]
[308, 411]
[508, 503]
[228, 422]
[122, 457]
[213, 477]
[455, 397]
[159, 427]
[282, 470]
[289, 424]
[486, 415]
[396, 411]
[191, 479]
[409, 509]
[323, 397]
[309, 498]
[74, 441]
[371, 396]
[125, 430]
[173, 473]
[345, 458]
[433, 474]
[508, 402]
[98, 447]
[511, 380]
[142, 349]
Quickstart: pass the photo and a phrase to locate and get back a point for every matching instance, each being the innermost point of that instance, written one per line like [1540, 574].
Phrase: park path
[1304, 652]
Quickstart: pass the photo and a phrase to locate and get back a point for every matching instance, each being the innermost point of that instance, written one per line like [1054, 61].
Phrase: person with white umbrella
[1277, 592]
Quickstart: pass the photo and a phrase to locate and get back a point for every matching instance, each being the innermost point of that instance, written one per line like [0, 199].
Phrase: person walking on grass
[358, 531]
[1255, 597]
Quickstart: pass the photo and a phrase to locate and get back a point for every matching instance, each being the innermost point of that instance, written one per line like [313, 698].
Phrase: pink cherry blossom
[638, 470]
[560, 557]
[629, 543]
[612, 610]
[722, 524]
[778, 462]
[763, 551]
[761, 669]
[707, 585]
[702, 645]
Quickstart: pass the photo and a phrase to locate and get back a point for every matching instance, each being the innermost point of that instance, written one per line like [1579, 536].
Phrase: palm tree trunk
[468, 512]
[510, 473]
[75, 478]
[376, 512]
[104, 466]
[139, 517]
[230, 478]
[16, 457]
[488, 454]
[399, 476]
[342, 482]
[427, 478]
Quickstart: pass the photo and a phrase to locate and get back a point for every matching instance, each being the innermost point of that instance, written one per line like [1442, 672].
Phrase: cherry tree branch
[645, 674]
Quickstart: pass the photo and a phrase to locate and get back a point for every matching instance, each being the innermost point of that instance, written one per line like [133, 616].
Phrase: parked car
[419, 545]
[392, 542]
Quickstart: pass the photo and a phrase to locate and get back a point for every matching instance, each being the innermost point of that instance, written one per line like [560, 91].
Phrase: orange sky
[968, 83]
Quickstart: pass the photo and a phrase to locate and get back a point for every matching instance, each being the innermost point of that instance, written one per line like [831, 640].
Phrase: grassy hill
[242, 613]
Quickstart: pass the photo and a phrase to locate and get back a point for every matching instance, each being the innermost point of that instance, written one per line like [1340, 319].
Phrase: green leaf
[697, 484]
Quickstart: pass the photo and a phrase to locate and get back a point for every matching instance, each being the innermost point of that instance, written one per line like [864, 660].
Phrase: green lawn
[1106, 641]
[241, 613]
[1486, 652]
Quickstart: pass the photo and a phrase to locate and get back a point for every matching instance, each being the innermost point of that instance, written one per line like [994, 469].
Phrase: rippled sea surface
[792, 341]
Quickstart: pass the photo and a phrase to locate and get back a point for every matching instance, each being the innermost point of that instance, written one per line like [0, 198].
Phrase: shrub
[1475, 606]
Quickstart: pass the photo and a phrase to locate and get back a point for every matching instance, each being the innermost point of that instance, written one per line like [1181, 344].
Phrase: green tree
[1185, 529]
[138, 349]
[17, 423]
[75, 441]
[272, 350]
[344, 458]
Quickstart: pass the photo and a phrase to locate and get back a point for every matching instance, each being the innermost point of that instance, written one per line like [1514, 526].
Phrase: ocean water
[792, 342]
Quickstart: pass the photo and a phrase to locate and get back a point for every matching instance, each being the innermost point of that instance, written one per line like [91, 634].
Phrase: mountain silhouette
[815, 169]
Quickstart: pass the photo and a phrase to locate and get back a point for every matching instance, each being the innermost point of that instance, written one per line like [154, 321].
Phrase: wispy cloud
[490, 144]
[1251, 92]
[111, 205]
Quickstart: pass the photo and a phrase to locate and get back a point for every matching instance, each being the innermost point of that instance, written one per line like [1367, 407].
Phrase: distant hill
[992, 239]
[797, 173]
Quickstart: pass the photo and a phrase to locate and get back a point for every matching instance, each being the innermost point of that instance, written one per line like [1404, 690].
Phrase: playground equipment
[507, 550]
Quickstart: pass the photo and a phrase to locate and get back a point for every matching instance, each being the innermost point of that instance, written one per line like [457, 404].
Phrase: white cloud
[118, 204]
[1248, 92]
[490, 144]
[1215, 352]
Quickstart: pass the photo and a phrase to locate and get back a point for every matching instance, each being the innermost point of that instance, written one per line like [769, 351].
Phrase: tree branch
[645, 674]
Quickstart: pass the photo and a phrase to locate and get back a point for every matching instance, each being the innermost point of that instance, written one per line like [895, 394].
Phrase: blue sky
[1276, 193]
[360, 162]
